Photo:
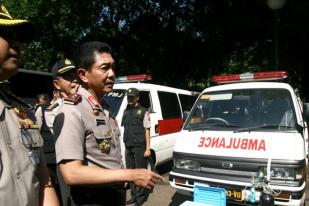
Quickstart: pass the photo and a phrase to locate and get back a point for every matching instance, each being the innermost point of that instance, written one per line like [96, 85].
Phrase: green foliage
[182, 43]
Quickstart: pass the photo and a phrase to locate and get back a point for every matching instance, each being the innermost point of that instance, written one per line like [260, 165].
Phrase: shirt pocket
[103, 137]
[31, 138]
[33, 142]
[137, 120]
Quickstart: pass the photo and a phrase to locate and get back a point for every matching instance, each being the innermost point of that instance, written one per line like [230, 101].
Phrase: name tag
[100, 122]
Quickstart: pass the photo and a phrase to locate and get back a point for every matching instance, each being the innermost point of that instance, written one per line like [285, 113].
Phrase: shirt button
[18, 175]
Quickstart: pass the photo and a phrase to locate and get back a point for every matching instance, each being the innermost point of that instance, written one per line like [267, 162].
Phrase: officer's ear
[56, 84]
[82, 74]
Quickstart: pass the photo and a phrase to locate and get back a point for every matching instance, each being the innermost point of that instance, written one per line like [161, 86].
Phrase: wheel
[213, 119]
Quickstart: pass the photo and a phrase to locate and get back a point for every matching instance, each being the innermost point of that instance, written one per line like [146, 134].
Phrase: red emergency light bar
[133, 78]
[246, 77]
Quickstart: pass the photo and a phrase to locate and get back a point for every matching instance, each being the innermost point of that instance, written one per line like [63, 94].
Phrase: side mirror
[306, 112]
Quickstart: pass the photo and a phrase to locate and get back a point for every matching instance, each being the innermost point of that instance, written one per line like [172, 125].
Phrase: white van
[167, 107]
[248, 138]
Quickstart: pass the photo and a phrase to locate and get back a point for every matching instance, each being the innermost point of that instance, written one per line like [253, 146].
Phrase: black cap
[62, 66]
[132, 92]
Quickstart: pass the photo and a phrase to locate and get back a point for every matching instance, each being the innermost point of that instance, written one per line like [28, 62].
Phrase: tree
[182, 43]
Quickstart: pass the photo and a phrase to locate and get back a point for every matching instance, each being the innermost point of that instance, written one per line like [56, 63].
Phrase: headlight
[283, 173]
[187, 164]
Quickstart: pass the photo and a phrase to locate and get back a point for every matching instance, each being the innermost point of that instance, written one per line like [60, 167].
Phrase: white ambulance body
[167, 107]
[248, 138]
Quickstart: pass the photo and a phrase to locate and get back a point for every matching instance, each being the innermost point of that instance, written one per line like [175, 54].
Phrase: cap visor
[25, 30]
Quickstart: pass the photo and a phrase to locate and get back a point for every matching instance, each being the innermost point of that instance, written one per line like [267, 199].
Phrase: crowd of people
[67, 151]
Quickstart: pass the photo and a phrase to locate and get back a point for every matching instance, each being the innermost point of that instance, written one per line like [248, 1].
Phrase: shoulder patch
[73, 99]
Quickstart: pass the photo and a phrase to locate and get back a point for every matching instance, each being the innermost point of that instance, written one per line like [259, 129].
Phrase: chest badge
[139, 112]
[96, 112]
[105, 146]
[20, 112]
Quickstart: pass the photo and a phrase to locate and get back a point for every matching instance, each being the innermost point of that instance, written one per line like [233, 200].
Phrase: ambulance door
[155, 113]
[186, 102]
[170, 123]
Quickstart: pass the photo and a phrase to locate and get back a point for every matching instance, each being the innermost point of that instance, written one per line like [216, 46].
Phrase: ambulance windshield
[114, 100]
[243, 108]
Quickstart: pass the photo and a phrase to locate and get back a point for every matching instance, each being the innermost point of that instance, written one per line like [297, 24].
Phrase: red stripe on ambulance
[232, 143]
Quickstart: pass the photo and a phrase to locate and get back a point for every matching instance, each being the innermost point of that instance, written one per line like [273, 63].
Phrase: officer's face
[132, 100]
[100, 77]
[67, 83]
[9, 54]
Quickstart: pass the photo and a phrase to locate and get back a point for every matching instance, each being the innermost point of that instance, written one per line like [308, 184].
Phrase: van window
[34, 82]
[144, 100]
[114, 100]
[187, 101]
[169, 105]
[246, 108]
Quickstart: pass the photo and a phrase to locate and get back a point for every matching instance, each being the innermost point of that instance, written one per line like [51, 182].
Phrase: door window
[169, 105]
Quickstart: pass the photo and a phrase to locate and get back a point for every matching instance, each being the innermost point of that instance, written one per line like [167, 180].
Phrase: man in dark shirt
[136, 122]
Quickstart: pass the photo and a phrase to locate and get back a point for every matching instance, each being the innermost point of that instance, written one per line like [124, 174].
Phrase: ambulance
[168, 107]
[247, 138]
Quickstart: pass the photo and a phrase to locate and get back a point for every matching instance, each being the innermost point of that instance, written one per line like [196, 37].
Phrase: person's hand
[147, 153]
[145, 178]
[74, 89]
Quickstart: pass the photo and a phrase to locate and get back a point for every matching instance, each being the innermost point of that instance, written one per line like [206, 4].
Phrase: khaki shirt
[51, 112]
[80, 128]
[20, 156]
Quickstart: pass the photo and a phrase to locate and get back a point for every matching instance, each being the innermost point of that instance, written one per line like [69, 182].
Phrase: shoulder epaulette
[72, 99]
[52, 107]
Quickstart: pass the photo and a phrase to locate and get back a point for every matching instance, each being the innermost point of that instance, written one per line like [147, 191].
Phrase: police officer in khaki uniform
[65, 81]
[88, 147]
[24, 178]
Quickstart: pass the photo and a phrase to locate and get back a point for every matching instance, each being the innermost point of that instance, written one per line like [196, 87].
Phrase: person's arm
[48, 196]
[39, 117]
[147, 125]
[75, 173]
[147, 136]
[70, 131]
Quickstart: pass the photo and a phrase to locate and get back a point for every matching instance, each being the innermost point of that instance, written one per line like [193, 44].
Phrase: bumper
[289, 196]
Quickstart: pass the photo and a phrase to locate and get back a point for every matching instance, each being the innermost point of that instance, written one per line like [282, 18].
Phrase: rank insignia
[20, 112]
[72, 99]
[105, 146]
[52, 107]
[27, 124]
[93, 101]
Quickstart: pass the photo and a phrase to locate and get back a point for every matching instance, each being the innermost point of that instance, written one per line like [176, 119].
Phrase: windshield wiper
[248, 129]
[199, 127]
[208, 126]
